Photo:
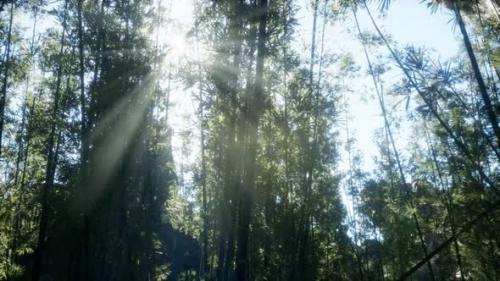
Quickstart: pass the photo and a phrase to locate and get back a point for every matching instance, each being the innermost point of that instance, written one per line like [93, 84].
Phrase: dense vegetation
[90, 188]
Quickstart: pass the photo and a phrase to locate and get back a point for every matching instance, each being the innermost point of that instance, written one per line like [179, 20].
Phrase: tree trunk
[395, 151]
[81, 73]
[3, 98]
[251, 118]
[490, 112]
[303, 266]
[449, 203]
[84, 149]
[85, 269]
[51, 164]
[464, 149]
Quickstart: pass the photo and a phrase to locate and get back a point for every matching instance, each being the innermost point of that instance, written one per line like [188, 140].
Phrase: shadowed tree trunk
[6, 70]
[251, 118]
[52, 145]
[490, 112]
[448, 203]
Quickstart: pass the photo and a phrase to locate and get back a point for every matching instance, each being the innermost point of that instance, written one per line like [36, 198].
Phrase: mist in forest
[242, 140]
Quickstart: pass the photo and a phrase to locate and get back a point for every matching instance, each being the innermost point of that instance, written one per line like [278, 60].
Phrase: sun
[177, 45]
[173, 42]
[174, 36]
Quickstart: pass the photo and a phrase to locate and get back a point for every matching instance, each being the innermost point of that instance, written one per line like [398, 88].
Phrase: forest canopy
[225, 140]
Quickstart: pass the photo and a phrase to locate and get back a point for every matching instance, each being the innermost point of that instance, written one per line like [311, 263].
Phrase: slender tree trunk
[449, 202]
[24, 123]
[89, 115]
[302, 265]
[393, 145]
[204, 260]
[477, 73]
[203, 172]
[231, 178]
[51, 163]
[28, 142]
[252, 117]
[84, 149]
[288, 259]
[489, 54]
[17, 216]
[313, 45]
[464, 149]
[18, 219]
[123, 185]
[81, 73]
[457, 248]
[3, 98]
[20, 142]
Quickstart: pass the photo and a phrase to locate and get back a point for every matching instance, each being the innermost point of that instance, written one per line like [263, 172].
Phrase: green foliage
[90, 189]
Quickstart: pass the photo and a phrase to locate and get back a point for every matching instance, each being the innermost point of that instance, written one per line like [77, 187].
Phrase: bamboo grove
[91, 187]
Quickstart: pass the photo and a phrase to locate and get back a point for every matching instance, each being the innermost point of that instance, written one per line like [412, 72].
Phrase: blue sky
[411, 22]
[408, 22]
